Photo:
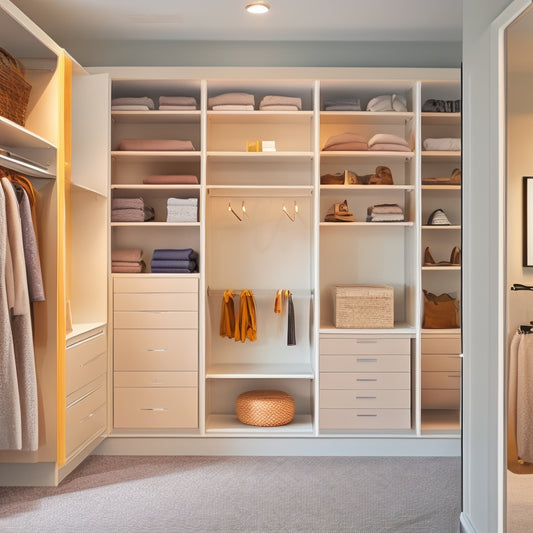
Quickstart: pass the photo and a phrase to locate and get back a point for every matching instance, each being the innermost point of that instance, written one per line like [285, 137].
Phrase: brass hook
[293, 217]
[231, 210]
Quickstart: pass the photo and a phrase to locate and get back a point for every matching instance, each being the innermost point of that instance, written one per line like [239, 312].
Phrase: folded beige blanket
[446, 143]
[233, 107]
[132, 215]
[231, 98]
[279, 107]
[389, 147]
[126, 254]
[177, 100]
[128, 267]
[384, 208]
[387, 138]
[142, 100]
[166, 145]
[170, 107]
[171, 179]
[345, 138]
[281, 100]
[130, 108]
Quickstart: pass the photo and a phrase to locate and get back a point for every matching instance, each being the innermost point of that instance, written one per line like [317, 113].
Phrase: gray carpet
[243, 494]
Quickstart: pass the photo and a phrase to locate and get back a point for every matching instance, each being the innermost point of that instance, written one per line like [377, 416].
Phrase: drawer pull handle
[367, 415]
[85, 395]
[88, 417]
[90, 360]
[365, 397]
[366, 360]
[153, 409]
[157, 349]
[83, 341]
[360, 341]
[366, 379]
[454, 376]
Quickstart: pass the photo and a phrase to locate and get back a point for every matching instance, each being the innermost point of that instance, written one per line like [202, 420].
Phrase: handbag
[440, 311]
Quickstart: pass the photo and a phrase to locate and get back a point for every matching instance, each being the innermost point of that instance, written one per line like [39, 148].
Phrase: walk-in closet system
[134, 362]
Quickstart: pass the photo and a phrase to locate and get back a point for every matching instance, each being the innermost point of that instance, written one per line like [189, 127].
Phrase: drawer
[156, 407]
[365, 363]
[85, 416]
[360, 345]
[365, 381]
[365, 418]
[441, 345]
[85, 361]
[155, 319]
[345, 399]
[441, 380]
[155, 301]
[156, 379]
[441, 398]
[165, 349]
[441, 363]
[157, 283]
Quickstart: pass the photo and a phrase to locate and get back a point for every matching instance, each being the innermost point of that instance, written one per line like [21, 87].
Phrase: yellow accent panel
[63, 218]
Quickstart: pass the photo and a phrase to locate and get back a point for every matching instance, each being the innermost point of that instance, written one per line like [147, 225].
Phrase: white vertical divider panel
[316, 254]
[202, 290]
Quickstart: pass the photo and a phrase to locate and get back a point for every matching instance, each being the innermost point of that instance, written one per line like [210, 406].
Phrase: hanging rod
[236, 292]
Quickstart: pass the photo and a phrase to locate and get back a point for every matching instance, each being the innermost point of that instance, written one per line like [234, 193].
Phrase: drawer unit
[156, 408]
[156, 379]
[365, 363]
[365, 381]
[441, 345]
[85, 415]
[156, 319]
[156, 301]
[158, 283]
[365, 419]
[167, 349]
[441, 398]
[441, 363]
[441, 380]
[364, 346]
[355, 399]
[86, 359]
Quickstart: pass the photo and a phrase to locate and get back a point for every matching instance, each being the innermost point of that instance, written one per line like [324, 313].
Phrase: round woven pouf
[266, 408]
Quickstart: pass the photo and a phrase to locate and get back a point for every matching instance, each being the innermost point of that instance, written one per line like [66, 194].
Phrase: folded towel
[133, 268]
[387, 138]
[187, 254]
[127, 203]
[132, 215]
[168, 145]
[280, 107]
[389, 148]
[170, 107]
[169, 263]
[182, 201]
[177, 100]
[387, 102]
[343, 139]
[384, 208]
[130, 108]
[345, 147]
[385, 218]
[142, 100]
[232, 99]
[160, 270]
[342, 104]
[126, 254]
[445, 143]
[281, 100]
[233, 107]
[177, 179]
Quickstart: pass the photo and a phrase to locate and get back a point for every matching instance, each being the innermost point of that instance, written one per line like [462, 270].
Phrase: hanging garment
[291, 329]
[524, 399]
[246, 324]
[227, 316]
[21, 325]
[511, 391]
[10, 421]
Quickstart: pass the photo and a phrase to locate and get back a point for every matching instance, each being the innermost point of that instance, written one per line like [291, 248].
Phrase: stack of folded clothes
[452, 144]
[384, 213]
[127, 260]
[387, 102]
[342, 104]
[388, 142]
[232, 102]
[441, 106]
[130, 210]
[182, 209]
[346, 141]
[171, 179]
[142, 103]
[149, 145]
[280, 103]
[174, 261]
[177, 103]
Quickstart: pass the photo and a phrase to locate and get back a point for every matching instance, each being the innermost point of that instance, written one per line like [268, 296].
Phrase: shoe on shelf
[438, 218]
[455, 257]
[341, 213]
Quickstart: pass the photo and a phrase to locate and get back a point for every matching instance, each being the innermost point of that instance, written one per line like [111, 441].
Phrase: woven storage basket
[14, 89]
[266, 408]
[364, 306]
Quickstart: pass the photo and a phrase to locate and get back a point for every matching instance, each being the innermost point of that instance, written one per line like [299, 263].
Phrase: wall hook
[293, 217]
[231, 210]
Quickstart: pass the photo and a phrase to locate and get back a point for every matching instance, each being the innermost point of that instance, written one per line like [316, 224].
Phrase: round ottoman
[266, 408]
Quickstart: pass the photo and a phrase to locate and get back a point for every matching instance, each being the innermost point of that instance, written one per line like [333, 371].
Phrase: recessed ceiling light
[258, 7]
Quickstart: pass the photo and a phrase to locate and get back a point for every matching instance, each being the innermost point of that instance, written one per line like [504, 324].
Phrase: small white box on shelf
[268, 146]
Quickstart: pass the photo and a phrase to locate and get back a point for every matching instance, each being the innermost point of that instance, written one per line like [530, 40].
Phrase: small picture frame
[527, 195]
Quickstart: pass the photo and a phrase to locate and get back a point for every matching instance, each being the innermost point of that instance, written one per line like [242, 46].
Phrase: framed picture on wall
[528, 221]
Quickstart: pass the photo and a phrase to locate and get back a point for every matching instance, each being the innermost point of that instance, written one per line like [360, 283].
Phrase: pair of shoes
[454, 179]
[455, 258]
[382, 176]
[341, 213]
[438, 218]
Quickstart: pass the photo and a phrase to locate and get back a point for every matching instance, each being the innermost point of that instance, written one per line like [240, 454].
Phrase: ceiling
[226, 20]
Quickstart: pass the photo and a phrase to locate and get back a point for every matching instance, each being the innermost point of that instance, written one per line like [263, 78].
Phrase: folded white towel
[446, 143]
[142, 100]
[182, 201]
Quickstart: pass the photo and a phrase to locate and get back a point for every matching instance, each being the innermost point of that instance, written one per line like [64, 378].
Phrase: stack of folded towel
[171, 179]
[346, 141]
[127, 260]
[451, 144]
[232, 102]
[182, 209]
[342, 104]
[177, 103]
[280, 103]
[384, 213]
[142, 103]
[174, 261]
[130, 210]
[388, 142]
[149, 145]
[387, 102]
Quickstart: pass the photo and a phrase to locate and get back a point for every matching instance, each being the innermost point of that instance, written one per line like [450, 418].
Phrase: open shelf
[226, 423]
[258, 370]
